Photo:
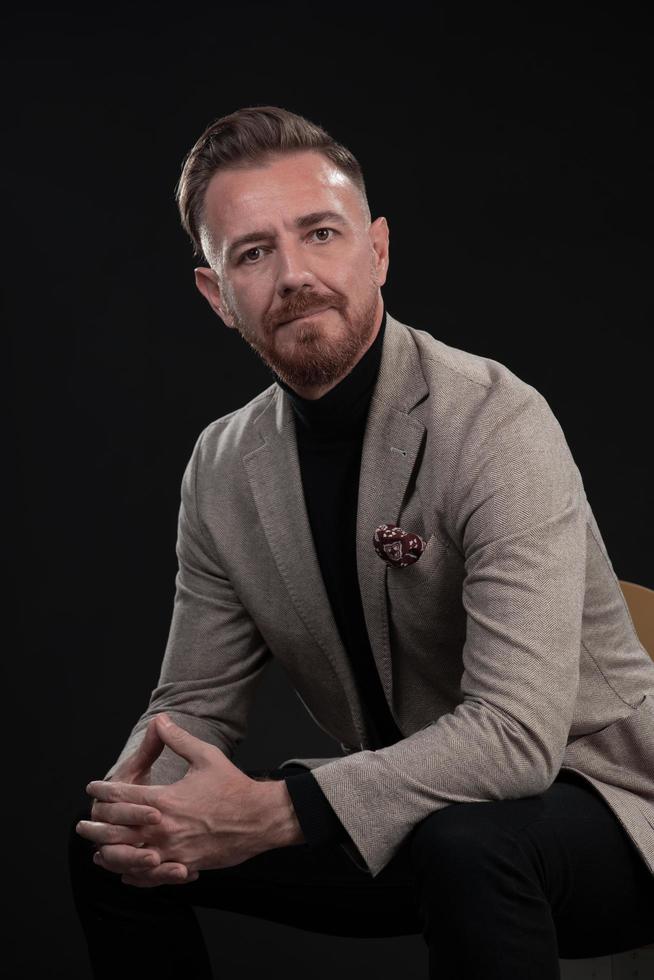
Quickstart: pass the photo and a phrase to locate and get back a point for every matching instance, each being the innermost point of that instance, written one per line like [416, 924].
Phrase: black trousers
[499, 890]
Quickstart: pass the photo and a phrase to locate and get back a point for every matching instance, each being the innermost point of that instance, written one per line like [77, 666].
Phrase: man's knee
[457, 838]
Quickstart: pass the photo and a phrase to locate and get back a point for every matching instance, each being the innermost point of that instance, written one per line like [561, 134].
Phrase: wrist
[282, 827]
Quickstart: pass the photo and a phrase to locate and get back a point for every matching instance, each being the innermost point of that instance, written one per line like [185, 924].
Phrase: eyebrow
[304, 221]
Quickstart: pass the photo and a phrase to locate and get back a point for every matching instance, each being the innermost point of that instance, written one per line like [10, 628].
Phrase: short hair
[247, 137]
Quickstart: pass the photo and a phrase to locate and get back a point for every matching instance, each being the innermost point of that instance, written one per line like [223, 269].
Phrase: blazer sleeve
[316, 817]
[215, 654]
[518, 512]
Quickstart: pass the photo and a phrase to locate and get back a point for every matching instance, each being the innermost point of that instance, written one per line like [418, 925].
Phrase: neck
[342, 410]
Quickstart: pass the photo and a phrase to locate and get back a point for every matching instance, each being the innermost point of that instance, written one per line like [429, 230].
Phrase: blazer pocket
[624, 745]
[422, 573]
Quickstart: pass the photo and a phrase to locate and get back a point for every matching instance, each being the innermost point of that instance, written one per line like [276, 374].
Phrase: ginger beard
[310, 353]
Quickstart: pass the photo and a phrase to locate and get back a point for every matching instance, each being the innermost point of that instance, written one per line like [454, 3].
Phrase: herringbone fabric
[506, 652]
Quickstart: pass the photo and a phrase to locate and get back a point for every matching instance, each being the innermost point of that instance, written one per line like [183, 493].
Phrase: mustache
[304, 308]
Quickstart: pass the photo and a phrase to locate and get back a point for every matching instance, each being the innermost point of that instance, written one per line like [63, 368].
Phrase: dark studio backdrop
[511, 157]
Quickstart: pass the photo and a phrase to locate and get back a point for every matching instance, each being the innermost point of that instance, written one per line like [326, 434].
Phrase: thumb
[179, 740]
[148, 750]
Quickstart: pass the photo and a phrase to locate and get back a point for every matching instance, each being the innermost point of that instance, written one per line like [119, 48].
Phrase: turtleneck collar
[344, 408]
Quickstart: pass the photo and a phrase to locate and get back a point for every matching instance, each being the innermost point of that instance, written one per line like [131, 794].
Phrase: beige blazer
[506, 652]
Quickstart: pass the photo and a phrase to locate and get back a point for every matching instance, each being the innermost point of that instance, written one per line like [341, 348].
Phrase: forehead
[241, 199]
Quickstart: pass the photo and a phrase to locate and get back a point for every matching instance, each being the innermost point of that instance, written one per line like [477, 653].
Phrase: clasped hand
[152, 835]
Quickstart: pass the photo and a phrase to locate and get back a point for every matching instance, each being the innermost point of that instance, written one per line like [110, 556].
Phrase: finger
[191, 748]
[108, 791]
[130, 814]
[108, 833]
[123, 858]
[167, 873]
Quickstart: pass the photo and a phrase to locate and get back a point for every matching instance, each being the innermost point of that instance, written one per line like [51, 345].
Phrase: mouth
[306, 316]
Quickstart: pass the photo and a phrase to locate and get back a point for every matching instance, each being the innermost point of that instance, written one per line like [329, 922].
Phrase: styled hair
[246, 137]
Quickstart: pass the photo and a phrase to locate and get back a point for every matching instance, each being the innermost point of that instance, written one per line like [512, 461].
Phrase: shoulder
[234, 432]
[476, 399]
[462, 369]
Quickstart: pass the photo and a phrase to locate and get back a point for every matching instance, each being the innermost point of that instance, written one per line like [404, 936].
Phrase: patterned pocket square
[397, 547]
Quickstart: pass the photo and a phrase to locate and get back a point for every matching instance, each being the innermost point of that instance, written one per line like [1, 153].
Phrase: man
[402, 525]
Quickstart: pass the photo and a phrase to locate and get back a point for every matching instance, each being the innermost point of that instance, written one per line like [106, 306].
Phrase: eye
[243, 260]
[243, 257]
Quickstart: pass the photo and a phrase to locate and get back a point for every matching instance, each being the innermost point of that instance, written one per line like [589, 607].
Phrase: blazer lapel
[273, 470]
[390, 449]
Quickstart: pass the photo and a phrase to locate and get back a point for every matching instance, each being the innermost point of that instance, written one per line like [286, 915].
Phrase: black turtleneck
[329, 433]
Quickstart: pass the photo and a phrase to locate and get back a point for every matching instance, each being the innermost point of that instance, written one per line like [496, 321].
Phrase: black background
[509, 151]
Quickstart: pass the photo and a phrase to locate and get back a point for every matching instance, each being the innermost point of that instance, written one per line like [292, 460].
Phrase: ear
[207, 282]
[378, 232]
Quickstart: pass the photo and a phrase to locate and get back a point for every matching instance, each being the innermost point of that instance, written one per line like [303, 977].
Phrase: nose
[293, 271]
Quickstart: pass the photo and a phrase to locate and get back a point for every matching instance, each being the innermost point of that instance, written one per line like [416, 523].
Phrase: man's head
[279, 212]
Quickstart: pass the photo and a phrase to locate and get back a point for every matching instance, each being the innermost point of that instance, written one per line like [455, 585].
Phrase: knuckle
[166, 827]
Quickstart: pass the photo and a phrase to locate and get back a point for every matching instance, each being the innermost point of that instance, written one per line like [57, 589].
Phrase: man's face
[297, 259]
